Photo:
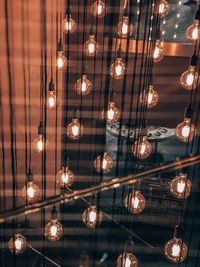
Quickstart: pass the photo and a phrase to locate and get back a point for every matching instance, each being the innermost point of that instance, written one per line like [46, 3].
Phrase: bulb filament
[176, 250]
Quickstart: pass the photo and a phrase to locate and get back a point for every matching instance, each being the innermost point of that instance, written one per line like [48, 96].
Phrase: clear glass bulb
[54, 230]
[127, 259]
[104, 164]
[92, 217]
[83, 86]
[38, 144]
[189, 78]
[65, 178]
[158, 53]
[17, 244]
[30, 192]
[176, 250]
[117, 69]
[112, 114]
[124, 28]
[51, 100]
[69, 25]
[151, 98]
[135, 202]
[185, 131]
[180, 186]
[142, 148]
[193, 32]
[61, 61]
[98, 9]
[91, 47]
[163, 8]
[74, 129]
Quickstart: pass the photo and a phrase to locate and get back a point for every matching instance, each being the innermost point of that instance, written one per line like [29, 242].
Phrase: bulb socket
[188, 112]
[51, 86]
[128, 246]
[144, 129]
[40, 128]
[193, 60]
[119, 51]
[54, 213]
[60, 46]
[91, 30]
[75, 113]
[179, 231]
[197, 14]
[29, 177]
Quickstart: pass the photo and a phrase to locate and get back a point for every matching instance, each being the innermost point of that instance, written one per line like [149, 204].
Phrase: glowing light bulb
[30, 192]
[51, 100]
[176, 250]
[65, 177]
[92, 217]
[151, 97]
[124, 28]
[193, 32]
[98, 9]
[91, 47]
[103, 164]
[117, 69]
[69, 25]
[185, 131]
[17, 244]
[83, 86]
[61, 61]
[112, 114]
[135, 202]
[53, 230]
[158, 53]
[38, 144]
[189, 78]
[74, 129]
[163, 8]
[127, 259]
[142, 148]
[180, 186]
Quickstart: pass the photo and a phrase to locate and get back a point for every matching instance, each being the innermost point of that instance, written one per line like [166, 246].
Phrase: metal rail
[112, 183]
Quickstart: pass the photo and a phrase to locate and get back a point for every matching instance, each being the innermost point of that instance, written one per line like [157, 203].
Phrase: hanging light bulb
[30, 192]
[98, 9]
[158, 53]
[135, 202]
[83, 86]
[175, 248]
[91, 47]
[193, 32]
[17, 244]
[189, 78]
[54, 229]
[124, 28]
[69, 25]
[185, 131]
[74, 129]
[180, 186]
[92, 217]
[112, 113]
[142, 148]
[163, 8]
[51, 97]
[103, 164]
[38, 142]
[151, 98]
[127, 259]
[117, 69]
[65, 177]
[61, 60]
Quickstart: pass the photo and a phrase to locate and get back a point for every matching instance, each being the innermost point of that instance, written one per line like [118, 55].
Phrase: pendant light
[92, 217]
[75, 128]
[117, 69]
[193, 32]
[189, 78]
[65, 177]
[30, 192]
[127, 258]
[54, 229]
[61, 60]
[180, 186]
[51, 96]
[103, 163]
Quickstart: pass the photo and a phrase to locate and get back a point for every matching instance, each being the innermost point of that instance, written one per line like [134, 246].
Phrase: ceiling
[30, 31]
